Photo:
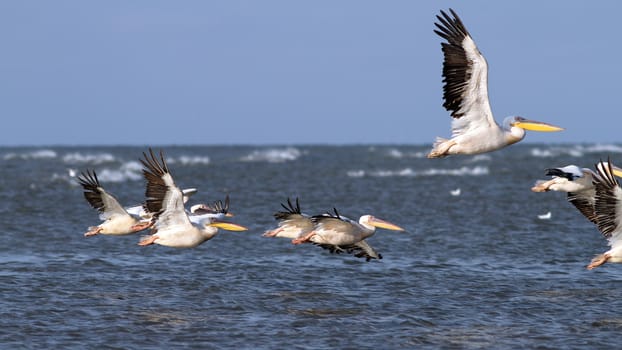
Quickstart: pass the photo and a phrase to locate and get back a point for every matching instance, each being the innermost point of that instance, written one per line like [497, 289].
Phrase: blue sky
[295, 72]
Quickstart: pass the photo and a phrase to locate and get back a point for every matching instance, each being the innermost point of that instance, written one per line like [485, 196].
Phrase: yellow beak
[536, 126]
[617, 171]
[229, 226]
[385, 224]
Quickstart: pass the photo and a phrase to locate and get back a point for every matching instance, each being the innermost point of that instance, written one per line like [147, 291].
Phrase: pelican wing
[290, 210]
[332, 223]
[465, 74]
[360, 250]
[98, 198]
[164, 198]
[584, 202]
[608, 202]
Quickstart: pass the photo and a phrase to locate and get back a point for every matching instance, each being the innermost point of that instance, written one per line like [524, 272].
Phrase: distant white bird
[173, 226]
[293, 224]
[577, 182]
[465, 74]
[608, 208]
[455, 192]
[546, 216]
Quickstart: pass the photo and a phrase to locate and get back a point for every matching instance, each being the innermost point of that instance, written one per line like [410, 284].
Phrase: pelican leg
[93, 230]
[272, 233]
[141, 226]
[598, 260]
[148, 240]
[304, 238]
[441, 147]
[543, 187]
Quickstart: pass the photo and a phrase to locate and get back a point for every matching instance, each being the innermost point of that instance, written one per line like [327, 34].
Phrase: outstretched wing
[465, 74]
[164, 198]
[360, 250]
[608, 203]
[106, 204]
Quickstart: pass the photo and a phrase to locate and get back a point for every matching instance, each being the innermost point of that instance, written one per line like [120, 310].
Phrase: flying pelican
[294, 224]
[608, 210]
[578, 183]
[173, 226]
[117, 220]
[216, 208]
[346, 234]
[465, 74]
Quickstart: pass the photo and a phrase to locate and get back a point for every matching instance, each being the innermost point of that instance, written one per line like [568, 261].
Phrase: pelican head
[214, 221]
[370, 220]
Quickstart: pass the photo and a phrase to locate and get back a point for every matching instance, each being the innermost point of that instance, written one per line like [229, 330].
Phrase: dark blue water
[478, 270]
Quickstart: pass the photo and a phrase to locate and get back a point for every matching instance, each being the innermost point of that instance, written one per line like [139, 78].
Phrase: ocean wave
[396, 153]
[74, 158]
[463, 171]
[189, 160]
[574, 151]
[273, 155]
[38, 154]
[127, 171]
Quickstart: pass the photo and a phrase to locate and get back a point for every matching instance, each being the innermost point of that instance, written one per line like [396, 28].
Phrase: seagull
[173, 227]
[465, 74]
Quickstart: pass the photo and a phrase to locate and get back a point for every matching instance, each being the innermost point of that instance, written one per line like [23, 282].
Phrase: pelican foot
[441, 147]
[141, 226]
[272, 233]
[148, 240]
[303, 239]
[93, 230]
[597, 261]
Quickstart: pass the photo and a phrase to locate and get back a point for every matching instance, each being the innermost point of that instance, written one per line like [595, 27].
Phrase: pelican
[338, 232]
[216, 208]
[293, 224]
[173, 227]
[465, 74]
[608, 208]
[578, 183]
[117, 219]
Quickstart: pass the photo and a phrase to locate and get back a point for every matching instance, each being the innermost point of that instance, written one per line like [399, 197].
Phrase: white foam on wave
[463, 171]
[273, 155]
[189, 160]
[396, 153]
[99, 158]
[127, 171]
[480, 158]
[37, 154]
[574, 151]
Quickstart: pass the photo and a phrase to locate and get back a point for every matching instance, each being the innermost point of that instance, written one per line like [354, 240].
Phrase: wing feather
[584, 202]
